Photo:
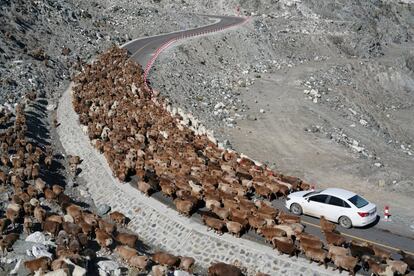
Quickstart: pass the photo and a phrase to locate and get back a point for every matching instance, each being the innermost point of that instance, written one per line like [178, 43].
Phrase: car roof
[344, 194]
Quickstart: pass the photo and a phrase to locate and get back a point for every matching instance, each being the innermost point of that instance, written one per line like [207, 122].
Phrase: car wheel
[296, 209]
[345, 222]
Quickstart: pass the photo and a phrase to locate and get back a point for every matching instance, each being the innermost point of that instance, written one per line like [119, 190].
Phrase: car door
[336, 208]
[315, 205]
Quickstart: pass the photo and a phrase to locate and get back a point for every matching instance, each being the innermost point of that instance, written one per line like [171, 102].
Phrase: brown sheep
[256, 222]
[334, 238]
[316, 254]
[106, 226]
[187, 264]
[213, 223]
[103, 238]
[126, 252]
[326, 225]
[222, 269]
[338, 250]
[7, 241]
[51, 227]
[398, 266]
[41, 263]
[269, 232]
[234, 228]
[57, 190]
[90, 218]
[49, 194]
[287, 218]
[71, 228]
[118, 217]
[382, 253]
[127, 239]
[12, 215]
[306, 243]
[407, 259]
[74, 211]
[345, 262]
[222, 213]
[144, 187]
[55, 218]
[166, 259]
[183, 206]
[139, 262]
[286, 247]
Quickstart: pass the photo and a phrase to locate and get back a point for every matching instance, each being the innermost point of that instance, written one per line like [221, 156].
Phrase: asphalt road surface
[141, 51]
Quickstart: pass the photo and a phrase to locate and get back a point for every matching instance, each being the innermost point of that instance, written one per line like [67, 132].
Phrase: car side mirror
[308, 199]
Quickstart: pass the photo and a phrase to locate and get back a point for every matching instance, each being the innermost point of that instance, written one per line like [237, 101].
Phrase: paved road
[141, 51]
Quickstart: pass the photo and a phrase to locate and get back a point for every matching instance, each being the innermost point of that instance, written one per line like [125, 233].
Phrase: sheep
[286, 247]
[51, 227]
[345, 262]
[326, 225]
[159, 270]
[118, 217]
[127, 239]
[139, 262]
[223, 269]
[187, 263]
[222, 213]
[382, 253]
[286, 218]
[183, 206]
[41, 263]
[407, 259]
[106, 226]
[74, 211]
[126, 252]
[398, 266]
[234, 228]
[103, 238]
[338, 250]
[316, 254]
[334, 238]
[213, 223]
[7, 241]
[165, 259]
[144, 187]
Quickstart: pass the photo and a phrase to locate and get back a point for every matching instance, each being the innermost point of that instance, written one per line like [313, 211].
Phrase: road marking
[140, 49]
[362, 239]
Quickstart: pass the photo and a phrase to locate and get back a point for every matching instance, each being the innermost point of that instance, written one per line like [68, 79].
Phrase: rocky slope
[334, 81]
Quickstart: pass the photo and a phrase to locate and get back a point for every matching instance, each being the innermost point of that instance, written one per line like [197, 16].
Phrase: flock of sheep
[139, 136]
[72, 228]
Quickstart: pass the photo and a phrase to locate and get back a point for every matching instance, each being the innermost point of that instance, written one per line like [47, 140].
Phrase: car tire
[296, 209]
[345, 222]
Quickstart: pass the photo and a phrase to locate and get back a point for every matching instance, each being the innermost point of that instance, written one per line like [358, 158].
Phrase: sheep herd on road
[141, 139]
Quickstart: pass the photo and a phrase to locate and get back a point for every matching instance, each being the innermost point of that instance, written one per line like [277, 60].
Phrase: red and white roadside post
[387, 213]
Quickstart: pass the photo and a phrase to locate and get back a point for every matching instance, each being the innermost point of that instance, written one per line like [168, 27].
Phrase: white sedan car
[337, 205]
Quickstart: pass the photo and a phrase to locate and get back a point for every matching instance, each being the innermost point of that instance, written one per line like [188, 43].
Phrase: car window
[319, 198]
[358, 201]
[337, 202]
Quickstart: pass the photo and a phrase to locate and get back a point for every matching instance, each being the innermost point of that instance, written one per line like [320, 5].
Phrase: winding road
[145, 51]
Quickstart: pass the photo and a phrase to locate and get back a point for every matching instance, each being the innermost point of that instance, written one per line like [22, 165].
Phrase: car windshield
[312, 193]
[358, 201]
